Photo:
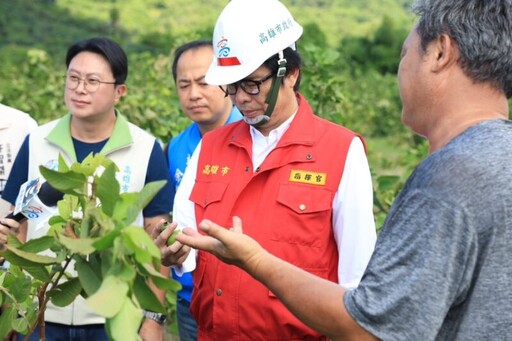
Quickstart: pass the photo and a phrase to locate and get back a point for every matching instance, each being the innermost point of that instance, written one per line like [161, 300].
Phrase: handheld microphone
[34, 201]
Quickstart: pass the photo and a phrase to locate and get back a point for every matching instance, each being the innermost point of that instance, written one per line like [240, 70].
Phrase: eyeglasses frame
[84, 80]
[240, 82]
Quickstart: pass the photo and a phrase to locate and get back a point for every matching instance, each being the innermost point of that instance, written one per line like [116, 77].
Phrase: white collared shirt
[353, 221]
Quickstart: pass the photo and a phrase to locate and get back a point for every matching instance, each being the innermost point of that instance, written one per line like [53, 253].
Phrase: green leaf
[65, 293]
[66, 207]
[131, 204]
[88, 165]
[88, 276]
[83, 246]
[23, 258]
[149, 191]
[126, 210]
[146, 297]
[151, 271]
[110, 297]
[8, 315]
[19, 287]
[107, 240]
[63, 166]
[107, 189]
[38, 245]
[38, 272]
[161, 281]
[123, 271]
[66, 182]
[14, 241]
[20, 325]
[167, 284]
[125, 325]
[138, 240]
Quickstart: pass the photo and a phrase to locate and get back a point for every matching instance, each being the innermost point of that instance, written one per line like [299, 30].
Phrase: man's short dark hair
[109, 49]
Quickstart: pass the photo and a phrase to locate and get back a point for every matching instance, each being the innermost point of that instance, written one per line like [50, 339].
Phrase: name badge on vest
[308, 177]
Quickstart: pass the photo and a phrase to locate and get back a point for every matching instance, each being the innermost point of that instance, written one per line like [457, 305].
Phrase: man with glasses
[301, 184]
[94, 83]
[441, 269]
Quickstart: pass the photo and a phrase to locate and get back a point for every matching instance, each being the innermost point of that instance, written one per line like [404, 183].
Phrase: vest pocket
[305, 218]
[303, 199]
[205, 193]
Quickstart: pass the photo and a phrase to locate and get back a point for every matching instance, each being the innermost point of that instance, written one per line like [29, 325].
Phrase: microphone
[34, 201]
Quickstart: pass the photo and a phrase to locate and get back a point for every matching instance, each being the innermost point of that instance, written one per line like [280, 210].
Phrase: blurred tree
[380, 52]
[313, 35]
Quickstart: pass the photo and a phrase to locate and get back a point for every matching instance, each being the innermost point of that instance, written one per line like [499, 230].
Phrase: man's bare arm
[315, 301]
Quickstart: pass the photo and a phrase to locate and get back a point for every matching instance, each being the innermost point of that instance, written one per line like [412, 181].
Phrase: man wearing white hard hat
[301, 184]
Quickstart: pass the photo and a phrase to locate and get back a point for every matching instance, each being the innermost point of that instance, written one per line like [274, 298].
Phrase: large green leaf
[125, 325]
[14, 241]
[138, 240]
[167, 284]
[161, 281]
[123, 271]
[131, 204]
[126, 210]
[88, 276]
[83, 246]
[8, 315]
[23, 258]
[65, 293]
[66, 182]
[19, 287]
[107, 240]
[107, 189]
[63, 167]
[146, 297]
[149, 191]
[38, 245]
[38, 272]
[110, 297]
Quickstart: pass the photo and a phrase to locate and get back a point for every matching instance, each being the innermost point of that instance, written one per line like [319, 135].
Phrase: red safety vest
[285, 204]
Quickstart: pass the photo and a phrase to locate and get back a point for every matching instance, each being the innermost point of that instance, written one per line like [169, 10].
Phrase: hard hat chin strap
[272, 95]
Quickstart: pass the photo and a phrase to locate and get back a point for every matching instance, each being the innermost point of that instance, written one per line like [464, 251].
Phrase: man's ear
[120, 92]
[291, 77]
[444, 53]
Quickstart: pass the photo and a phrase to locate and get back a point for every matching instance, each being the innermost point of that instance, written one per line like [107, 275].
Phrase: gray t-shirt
[442, 266]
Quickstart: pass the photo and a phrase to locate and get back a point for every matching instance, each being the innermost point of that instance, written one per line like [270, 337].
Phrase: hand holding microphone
[34, 202]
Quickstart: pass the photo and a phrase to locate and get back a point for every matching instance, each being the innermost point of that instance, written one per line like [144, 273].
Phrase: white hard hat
[246, 34]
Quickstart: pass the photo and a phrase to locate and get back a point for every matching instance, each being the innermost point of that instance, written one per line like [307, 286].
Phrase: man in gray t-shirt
[442, 268]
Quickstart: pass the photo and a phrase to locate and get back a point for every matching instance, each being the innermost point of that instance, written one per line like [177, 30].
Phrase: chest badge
[308, 177]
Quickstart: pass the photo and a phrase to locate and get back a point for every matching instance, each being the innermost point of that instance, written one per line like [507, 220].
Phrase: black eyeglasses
[250, 86]
[90, 84]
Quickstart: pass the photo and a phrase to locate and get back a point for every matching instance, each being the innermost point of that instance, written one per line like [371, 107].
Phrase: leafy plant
[96, 252]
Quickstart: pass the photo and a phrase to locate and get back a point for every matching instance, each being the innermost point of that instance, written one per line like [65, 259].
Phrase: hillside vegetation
[350, 50]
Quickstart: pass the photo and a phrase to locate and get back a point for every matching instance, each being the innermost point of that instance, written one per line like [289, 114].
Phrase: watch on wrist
[157, 317]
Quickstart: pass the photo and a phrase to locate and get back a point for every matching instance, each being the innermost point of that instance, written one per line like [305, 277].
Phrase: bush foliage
[349, 79]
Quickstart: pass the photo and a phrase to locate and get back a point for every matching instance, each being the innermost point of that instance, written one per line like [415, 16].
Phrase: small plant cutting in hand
[92, 249]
